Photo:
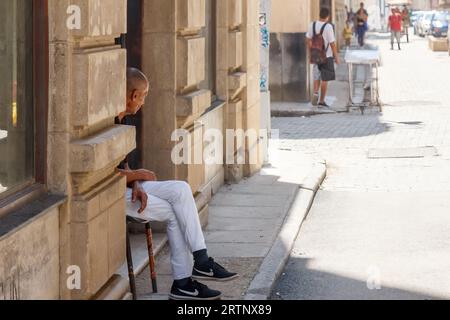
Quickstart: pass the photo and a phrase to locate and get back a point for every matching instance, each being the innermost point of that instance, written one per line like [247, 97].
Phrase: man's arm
[335, 52]
[330, 38]
[308, 43]
[137, 175]
[138, 193]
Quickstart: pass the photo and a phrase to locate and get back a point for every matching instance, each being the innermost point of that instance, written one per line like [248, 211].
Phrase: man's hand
[139, 195]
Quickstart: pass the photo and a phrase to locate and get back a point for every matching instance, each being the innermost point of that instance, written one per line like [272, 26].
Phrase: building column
[86, 92]
[174, 60]
[251, 94]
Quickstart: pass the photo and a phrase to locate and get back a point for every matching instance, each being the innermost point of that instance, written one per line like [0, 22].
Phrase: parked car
[439, 24]
[415, 19]
[415, 15]
[424, 25]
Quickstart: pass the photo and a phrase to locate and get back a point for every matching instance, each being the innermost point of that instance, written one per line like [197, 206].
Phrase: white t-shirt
[328, 35]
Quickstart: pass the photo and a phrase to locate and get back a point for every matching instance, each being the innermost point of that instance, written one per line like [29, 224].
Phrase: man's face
[136, 100]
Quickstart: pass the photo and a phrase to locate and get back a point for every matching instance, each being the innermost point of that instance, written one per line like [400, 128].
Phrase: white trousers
[172, 202]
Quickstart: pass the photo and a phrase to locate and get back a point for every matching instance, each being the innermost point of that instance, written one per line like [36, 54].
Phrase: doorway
[133, 43]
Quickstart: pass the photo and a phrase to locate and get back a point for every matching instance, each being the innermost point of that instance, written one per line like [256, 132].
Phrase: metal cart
[368, 61]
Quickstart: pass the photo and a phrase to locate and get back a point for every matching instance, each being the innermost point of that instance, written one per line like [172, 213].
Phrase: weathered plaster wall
[29, 268]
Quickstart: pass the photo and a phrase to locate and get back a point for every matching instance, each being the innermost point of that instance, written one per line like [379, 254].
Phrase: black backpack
[318, 52]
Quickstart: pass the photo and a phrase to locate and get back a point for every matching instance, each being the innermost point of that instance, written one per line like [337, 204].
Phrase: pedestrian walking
[321, 40]
[348, 34]
[395, 26]
[362, 17]
[406, 20]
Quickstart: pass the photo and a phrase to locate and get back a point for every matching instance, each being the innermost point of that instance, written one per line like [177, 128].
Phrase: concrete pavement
[250, 224]
[337, 98]
[378, 228]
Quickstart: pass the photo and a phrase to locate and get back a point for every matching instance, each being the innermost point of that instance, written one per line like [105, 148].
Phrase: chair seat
[133, 219]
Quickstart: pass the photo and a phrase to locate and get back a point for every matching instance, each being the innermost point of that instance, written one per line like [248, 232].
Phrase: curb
[273, 264]
[299, 113]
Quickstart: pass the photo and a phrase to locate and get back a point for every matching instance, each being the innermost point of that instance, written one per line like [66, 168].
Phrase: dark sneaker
[213, 271]
[323, 105]
[194, 291]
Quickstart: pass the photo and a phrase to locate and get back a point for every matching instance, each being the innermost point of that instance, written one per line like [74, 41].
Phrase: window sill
[21, 217]
[215, 105]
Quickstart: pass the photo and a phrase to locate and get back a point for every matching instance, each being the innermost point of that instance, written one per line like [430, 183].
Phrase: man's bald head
[136, 80]
[137, 90]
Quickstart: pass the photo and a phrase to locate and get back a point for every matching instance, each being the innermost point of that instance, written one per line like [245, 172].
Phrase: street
[378, 228]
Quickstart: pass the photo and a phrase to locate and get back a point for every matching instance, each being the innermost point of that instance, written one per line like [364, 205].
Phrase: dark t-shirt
[127, 121]
[358, 14]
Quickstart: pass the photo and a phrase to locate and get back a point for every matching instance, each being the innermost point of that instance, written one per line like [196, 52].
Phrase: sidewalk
[337, 98]
[338, 90]
[252, 227]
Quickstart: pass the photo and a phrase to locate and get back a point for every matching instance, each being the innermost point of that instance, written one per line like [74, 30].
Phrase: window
[23, 95]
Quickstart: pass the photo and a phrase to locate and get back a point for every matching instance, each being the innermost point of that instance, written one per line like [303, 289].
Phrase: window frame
[17, 197]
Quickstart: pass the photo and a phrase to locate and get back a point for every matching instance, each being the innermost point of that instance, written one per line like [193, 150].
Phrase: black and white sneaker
[324, 105]
[213, 271]
[194, 291]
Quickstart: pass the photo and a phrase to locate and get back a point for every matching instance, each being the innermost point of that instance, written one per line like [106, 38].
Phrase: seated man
[170, 202]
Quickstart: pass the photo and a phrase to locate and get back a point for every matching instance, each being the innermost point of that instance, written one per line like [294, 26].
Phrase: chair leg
[151, 257]
[131, 275]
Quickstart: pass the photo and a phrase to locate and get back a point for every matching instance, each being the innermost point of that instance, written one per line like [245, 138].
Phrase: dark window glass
[16, 95]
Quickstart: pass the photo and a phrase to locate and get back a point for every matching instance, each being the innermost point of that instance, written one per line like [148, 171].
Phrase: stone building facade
[445, 4]
[203, 61]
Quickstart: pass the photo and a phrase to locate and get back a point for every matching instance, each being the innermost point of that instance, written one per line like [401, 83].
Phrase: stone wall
[29, 268]
[87, 90]
[174, 59]
[444, 4]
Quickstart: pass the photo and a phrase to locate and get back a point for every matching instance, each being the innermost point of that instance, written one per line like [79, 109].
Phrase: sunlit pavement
[379, 226]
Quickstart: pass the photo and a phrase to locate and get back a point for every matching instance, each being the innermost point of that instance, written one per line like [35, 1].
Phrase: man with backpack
[321, 41]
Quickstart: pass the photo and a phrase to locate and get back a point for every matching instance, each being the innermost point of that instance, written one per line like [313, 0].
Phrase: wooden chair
[151, 257]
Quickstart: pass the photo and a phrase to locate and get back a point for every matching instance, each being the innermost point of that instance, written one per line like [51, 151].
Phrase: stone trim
[20, 218]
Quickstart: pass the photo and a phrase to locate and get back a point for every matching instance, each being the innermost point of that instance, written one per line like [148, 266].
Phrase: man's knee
[183, 187]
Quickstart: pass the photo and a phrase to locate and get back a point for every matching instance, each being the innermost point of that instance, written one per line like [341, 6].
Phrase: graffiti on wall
[264, 85]
[265, 43]
[265, 37]
[10, 287]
